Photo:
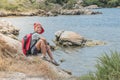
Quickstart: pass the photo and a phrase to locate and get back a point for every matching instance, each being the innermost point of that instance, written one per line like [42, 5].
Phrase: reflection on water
[105, 27]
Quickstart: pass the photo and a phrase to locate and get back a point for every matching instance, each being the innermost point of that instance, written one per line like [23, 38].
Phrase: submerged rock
[69, 38]
[92, 7]
[90, 43]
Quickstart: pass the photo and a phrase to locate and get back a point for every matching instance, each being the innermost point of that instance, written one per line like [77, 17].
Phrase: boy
[40, 45]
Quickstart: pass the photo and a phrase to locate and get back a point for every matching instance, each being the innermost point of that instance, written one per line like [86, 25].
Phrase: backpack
[26, 42]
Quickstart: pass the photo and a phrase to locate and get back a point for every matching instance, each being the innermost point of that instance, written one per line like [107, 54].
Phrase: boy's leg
[51, 56]
[49, 52]
[40, 45]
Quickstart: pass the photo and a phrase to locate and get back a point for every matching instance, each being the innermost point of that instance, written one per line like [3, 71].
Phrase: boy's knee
[48, 46]
[43, 39]
[40, 41]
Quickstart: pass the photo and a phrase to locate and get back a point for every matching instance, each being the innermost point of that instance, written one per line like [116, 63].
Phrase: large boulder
[69, 38]
[9, 47]
[7, 28]
[13, 60]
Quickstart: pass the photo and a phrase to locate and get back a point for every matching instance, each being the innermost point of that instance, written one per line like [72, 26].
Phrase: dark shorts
[35, 51]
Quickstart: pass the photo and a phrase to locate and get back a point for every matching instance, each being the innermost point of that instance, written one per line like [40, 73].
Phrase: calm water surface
[105, 27]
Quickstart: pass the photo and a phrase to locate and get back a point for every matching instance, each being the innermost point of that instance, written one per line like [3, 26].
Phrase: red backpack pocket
[26, 41]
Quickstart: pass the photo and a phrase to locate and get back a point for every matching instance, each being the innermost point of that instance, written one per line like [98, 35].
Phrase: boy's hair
[36, 24]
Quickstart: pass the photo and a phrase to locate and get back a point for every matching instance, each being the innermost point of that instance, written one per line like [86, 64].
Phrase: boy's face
[38, 28]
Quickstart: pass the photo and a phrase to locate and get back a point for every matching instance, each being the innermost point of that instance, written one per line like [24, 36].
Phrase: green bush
[102, 3]
[70, 4]
[108, 68]
[11, 7]
[45, 6]
[61, 2]
[113, 3]
[90, 2]
[3, 3]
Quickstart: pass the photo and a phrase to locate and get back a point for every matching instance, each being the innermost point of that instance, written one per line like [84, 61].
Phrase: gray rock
[81, 11]
[90, 43]
[12, 50]
[69, 38]
[2, 14]
[92, 7]
[7, 28]
[118, 6]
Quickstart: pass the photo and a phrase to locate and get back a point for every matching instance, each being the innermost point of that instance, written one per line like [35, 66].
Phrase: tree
[113, 3]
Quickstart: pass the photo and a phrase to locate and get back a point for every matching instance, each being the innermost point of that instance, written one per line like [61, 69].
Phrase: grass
[108, 68]
[24, 5]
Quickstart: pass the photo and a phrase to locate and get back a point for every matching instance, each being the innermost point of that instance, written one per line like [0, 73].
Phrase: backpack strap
[25, 39]
[31, 39]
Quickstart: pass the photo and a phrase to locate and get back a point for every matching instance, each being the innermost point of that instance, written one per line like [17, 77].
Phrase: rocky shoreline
[39, 12]
[14, 65]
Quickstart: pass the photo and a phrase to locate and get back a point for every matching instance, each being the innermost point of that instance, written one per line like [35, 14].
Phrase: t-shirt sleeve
[35, 38]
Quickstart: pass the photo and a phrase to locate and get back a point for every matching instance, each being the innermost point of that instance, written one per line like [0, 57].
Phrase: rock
[62, 60]
[78, 6]
[56, 10]
[7, 13]
[18, 76]
[69, 38]
[92, 7]
[10, 47]
[81, 11]
[7, 28]
[118, 6]
[50, 14]
[69, 72]
[13, 36]
[41, 12]
[13, 60]
[2, 14]
[90, 43]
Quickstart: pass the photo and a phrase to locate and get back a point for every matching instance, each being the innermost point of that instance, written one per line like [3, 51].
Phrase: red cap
[35, 24]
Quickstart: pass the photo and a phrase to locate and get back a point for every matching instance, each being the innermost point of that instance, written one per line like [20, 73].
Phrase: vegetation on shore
[102, 3]
[27, 5]
[108, 68]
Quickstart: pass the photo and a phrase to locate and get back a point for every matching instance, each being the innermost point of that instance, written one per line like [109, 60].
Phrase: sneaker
[44, 58]
[54, 62]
